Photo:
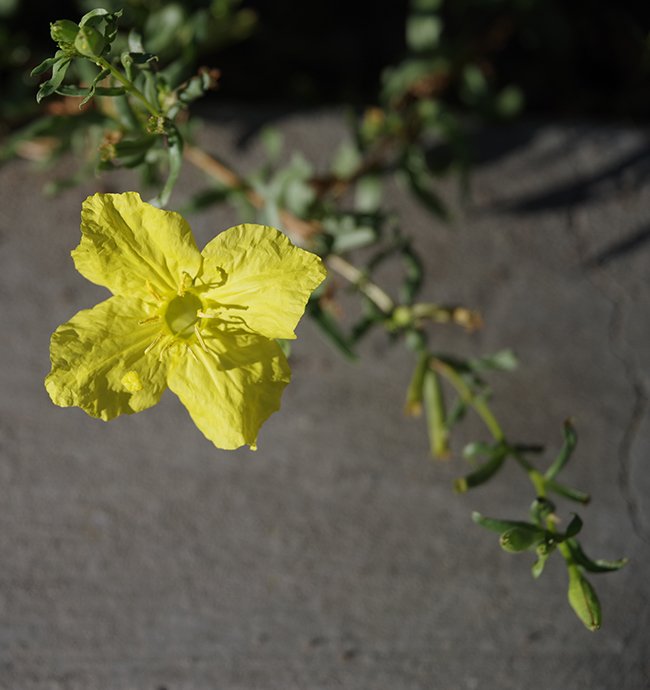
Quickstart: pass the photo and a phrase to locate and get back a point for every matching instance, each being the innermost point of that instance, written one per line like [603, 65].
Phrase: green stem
[128, 86]
[469, 398]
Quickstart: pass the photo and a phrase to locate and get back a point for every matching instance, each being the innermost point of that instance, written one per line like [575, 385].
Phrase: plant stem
[469, 398]
[128, 86]
[358, 278]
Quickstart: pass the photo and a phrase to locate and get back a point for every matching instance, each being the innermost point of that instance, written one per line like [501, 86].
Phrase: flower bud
[89, 42]
[64, 32]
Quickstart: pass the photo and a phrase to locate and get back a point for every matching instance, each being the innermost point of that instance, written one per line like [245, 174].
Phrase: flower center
[180, 314]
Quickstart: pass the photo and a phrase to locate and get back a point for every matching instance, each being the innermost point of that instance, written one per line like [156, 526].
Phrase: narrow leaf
[434, 405]
[570, 441]
[574, 527]
[44, 66]
[50, 86]
[593, 566]
[543, 552]
[485, 472]
[568, 492]
[500, 526]
[414, 392]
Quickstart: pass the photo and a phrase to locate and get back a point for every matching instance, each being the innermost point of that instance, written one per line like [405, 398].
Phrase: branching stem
[128, 86]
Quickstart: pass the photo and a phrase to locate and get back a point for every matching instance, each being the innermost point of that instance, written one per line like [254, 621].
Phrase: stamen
[164, 348]
[151, 319]
[189, 349]
[186, 281]
[153, 293]
[199, 337]
[205, 315]
[153, 344]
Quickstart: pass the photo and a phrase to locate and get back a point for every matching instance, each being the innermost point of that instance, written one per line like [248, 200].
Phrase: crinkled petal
[261, 278]
[128, 245]
[231, 387]
[98, 361]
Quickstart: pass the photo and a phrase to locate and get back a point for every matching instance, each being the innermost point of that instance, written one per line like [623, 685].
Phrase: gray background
[135, 555]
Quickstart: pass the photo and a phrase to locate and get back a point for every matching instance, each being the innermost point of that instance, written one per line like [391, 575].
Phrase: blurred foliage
[586, 57]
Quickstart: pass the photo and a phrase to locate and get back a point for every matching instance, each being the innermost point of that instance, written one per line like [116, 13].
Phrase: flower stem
[128, 86]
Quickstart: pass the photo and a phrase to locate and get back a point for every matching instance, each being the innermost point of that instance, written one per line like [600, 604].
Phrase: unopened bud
[89, 42]
[64, 32]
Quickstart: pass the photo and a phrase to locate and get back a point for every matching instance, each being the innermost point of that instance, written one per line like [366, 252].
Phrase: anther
[151, 319]
[153, 293]
[186, 281]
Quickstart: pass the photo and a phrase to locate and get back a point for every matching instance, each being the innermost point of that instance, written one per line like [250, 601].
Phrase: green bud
[64, 32]
[89, 42]
[519, 539]
[402, 316]
[583, 600]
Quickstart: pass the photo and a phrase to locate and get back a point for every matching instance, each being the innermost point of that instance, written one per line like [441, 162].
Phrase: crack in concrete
[606, 286]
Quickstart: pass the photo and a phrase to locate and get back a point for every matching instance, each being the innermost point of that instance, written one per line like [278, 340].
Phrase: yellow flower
[202, 323]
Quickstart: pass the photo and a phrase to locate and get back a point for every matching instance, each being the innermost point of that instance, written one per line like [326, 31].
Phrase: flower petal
[127, 243]
[231, 387]
[267, 280]
[98, 361]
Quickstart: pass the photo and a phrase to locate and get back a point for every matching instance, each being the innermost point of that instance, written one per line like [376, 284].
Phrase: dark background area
[568, 58]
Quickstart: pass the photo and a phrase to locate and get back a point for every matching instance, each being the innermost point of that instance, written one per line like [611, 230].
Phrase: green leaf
[416, 385]
[593, 566]
[568, 492]
[368, 194]
[457, 413]
[543, 552]
[476, 449]
[583, 599]
[420, 182]
[504, 360]
[94, 17]
[434, 405]
[44, 66]
[58, 74]
[272, 140]
[356, 239]
[570, 442]
[347, 159]
[500, 526]
[485, 472]
[71, 90]
[414, 274]
[574, 527]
